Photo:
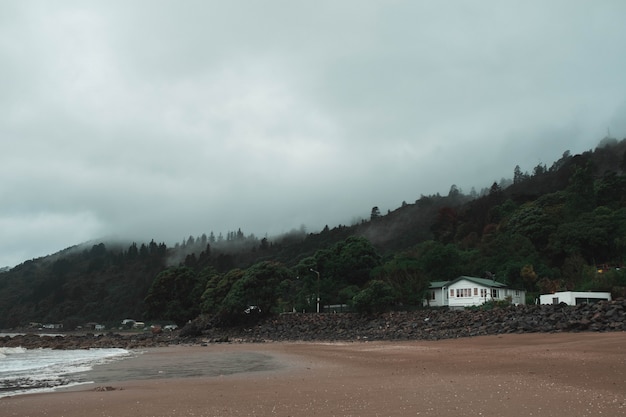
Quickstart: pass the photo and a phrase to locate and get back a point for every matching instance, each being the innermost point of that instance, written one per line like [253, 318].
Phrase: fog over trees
[548, 229]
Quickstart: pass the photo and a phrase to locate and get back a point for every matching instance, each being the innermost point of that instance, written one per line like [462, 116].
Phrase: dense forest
[555, 228]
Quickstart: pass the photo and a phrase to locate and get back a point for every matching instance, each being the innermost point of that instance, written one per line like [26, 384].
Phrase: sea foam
[29, 370]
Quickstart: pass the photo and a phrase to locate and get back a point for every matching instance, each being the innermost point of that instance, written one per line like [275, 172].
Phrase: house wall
[517, 296]
[464, 293]
[479, 294]
[440, 299]
[570, 297]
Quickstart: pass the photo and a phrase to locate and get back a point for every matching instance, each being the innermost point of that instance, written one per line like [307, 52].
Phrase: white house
[574, 297]
[467, 291]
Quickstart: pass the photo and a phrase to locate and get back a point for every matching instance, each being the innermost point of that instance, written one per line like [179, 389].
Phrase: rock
[429, 324]
[107, 388]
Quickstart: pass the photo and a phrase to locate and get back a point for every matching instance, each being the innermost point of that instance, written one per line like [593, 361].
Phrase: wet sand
[571, 374]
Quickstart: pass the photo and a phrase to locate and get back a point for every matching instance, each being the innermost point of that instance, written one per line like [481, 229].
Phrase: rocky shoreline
[431, 324]
[89, 340]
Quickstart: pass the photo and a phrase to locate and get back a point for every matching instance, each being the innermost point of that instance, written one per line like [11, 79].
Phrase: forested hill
[552, 228]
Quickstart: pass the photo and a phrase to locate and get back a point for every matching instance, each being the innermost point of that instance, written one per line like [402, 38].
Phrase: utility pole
[318, 289]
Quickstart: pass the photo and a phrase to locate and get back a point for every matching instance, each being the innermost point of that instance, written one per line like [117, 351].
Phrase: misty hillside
[548, 229]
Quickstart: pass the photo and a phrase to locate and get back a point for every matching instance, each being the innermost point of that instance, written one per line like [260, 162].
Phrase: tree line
[555, 229]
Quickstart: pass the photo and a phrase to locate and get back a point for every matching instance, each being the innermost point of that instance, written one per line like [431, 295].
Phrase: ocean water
[39, 370]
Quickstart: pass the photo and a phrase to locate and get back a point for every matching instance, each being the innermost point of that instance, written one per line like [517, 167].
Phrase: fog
[159, 120]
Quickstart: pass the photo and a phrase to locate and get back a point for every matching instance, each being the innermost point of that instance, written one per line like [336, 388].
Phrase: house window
[475, 291]
[431, 296]
[464, 292]
[451, 293]
[494, 293]
[483, 292]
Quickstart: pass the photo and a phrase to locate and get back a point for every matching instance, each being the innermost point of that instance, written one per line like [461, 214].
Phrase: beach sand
[567, 374]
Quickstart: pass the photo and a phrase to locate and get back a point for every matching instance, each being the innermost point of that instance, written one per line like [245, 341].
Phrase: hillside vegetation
[557, 228]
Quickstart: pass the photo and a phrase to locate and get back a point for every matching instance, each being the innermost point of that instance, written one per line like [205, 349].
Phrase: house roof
[485, 282]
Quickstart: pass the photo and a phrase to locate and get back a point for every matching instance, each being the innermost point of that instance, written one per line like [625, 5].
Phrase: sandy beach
[567, 374]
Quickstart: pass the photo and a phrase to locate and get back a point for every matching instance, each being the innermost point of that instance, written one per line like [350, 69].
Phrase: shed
[574, 297]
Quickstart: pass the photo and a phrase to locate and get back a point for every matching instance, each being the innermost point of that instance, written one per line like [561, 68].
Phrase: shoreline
[423, 324]
[574, 374]
[182, 362]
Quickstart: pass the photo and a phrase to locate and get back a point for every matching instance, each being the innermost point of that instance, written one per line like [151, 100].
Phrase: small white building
[467, 291]
[574, 297]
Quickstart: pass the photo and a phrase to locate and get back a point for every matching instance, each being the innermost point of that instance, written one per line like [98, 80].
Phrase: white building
[467, 291]
[574, 297]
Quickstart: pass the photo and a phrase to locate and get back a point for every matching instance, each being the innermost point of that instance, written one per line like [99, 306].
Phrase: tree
[540, 169]
[581, 190]
[441, 261]
[529, 276]
[408, 282]
[611, 190]
[376, 297]
[454, 191]
[574, 270]
[495, 190]
[347, 262]
[591, 235]
[533, 221]
[175, 295]
[154, 248]
[375, 213]
[132, 252]
[561, 162]
[216, 289]
[506, 254]
[445, 224]
[517, 175]
[258, 286]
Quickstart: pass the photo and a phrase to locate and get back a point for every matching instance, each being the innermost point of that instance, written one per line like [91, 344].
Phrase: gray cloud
[156, 119]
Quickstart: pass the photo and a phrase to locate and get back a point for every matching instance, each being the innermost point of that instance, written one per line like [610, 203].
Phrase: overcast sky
[164, 119]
